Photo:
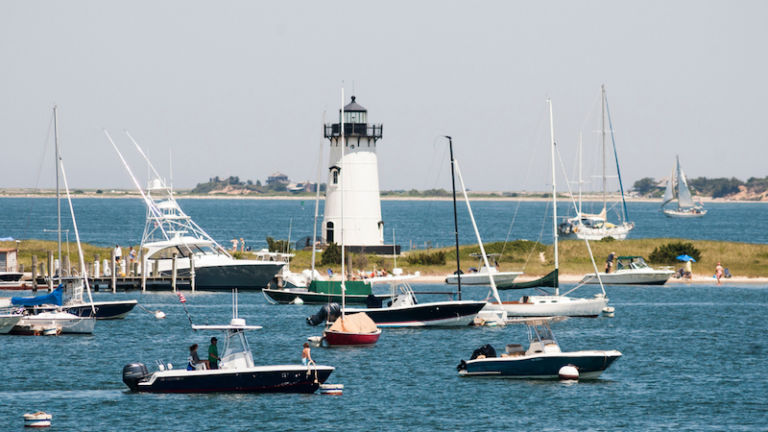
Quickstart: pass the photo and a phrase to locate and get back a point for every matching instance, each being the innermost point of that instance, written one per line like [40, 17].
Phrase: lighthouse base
[374, 249]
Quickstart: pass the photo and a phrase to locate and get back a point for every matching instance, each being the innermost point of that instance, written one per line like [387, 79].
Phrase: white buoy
[332, 389]
[608, 311]
[159, 314]
[38, 419]
[297, 301]
[568, 372]
[315, 340]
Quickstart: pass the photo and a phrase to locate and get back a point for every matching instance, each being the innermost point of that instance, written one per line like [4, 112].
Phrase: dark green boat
[322, 292]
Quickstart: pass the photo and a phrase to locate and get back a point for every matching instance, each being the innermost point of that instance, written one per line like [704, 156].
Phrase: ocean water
[416, 224]
[694, 358]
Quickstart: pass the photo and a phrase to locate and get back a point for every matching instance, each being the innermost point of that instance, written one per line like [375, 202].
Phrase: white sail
[683, 193]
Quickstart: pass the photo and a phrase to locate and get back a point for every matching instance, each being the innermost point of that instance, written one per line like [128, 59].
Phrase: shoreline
[575, 278]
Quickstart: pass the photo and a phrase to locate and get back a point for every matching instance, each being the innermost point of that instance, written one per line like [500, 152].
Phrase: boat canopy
[54, 298]
[354, 323]
[550, 280]
[182, 246]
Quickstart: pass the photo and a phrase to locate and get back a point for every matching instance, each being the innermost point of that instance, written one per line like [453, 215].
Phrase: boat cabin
[630, 263]
[183, 247]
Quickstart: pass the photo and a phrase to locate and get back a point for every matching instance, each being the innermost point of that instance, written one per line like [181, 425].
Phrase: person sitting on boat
[194, 359]
[306, 356]
[213, 354]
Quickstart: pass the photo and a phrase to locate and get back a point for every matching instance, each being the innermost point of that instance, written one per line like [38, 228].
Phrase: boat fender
[568, 372]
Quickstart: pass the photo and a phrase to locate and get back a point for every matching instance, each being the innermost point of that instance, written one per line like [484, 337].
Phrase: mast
[455, 218]
[602, 134]
[58, 193]
[341, 169]
[317, 203]
[554, 189]
[580, 174]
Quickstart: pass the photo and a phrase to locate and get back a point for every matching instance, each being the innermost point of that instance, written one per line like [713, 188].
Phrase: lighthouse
[353, 182]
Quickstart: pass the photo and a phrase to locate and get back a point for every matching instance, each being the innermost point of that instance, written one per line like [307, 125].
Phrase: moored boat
[542, 360]
[631, 270]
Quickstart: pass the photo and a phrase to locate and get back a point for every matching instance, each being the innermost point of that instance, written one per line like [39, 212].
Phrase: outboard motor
[328, 312]
[487, 350]
[372, 302]
[133, 374]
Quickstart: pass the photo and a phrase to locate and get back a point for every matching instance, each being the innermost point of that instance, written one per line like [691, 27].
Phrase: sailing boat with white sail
[596, 226]
[547, 304]
[677, 188]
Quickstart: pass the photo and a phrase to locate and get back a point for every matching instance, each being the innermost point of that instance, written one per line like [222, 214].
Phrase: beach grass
[534, 259]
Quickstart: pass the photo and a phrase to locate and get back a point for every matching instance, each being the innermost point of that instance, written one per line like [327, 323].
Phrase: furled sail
[669, 194]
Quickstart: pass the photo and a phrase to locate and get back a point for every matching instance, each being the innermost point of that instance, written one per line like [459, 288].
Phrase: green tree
[668, 252]
[331, 255]
[644, 186]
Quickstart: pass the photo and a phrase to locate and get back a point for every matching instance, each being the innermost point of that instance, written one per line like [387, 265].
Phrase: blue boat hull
[275, 381]
[544, 366]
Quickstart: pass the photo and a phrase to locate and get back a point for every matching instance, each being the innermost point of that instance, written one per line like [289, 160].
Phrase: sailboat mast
[341, 169]
[602, 134]
[455, 218]
[580, 173]
[554, 189]
[58, 193]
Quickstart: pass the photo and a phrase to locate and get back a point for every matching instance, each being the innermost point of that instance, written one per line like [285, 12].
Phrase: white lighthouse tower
[354, 172]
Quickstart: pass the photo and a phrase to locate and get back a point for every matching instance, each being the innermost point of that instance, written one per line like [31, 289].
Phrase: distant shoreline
[587, 198]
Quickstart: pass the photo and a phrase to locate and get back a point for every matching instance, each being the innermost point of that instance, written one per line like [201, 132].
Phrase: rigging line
[544, 221]
[525, 184]
[616, 158]
[46, 144]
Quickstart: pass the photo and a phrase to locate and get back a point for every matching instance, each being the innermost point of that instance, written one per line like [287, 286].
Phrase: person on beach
[719, 270]
[234, 245]
[242, 245]
[306, 356]
[213, 354]
[609, 262]
[688, 270]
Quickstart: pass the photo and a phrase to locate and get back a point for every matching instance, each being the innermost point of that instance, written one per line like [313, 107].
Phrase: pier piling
[173, 272]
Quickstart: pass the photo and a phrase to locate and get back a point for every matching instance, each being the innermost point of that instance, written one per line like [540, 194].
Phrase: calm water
[694, 359]
[416, 223]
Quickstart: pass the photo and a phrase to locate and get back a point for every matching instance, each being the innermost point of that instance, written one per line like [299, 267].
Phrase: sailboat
[40, 316]
[551, 304]
[169, 230]
[677, 187]
[596, 226]
[355, 329]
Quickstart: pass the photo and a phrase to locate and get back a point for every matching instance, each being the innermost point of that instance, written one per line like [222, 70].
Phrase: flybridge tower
[354, 172]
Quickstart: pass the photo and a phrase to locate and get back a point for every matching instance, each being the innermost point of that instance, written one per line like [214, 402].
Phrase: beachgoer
[306, 357]
[242, 245]
[688, 270]
[213, 354]
[609, 262]
[234, 245]
[719, 270]
[118, 253]
[194, 359]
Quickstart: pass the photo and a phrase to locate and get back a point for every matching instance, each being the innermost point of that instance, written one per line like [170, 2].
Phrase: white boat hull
[584, 233]
[683, 214]
[482, 278]
[631, 277]
[551, 305]
[68, 323]
[7, 322]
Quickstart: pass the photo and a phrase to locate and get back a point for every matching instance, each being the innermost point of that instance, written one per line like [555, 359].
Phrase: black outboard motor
[487, 350]
[328, 312]
[372, 302]
[133, 374]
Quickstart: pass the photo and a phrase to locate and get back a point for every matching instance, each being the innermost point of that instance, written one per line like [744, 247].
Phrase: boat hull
[7, 322]
[104, 310]
[481, 278]
[590, 364]
[242, 276]
[438, 314]
[547, 306]
[654, 277]
[285, 296]
[34, 324]
[260, 379]
[335, 338]
[683, 214]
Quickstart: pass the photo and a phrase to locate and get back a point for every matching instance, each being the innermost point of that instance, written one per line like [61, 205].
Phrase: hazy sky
[240, 87]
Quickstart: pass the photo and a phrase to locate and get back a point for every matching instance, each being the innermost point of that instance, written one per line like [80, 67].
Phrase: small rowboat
[38, 419]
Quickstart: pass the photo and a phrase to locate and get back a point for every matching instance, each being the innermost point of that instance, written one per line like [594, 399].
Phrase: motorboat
[595, 226]
[482, 276]
[677, 188]
[631, 270]
[171, 236]
[11, 280]
[44, 312]
[320, 291]
[237, 372]
[542, 360]
[404, 310]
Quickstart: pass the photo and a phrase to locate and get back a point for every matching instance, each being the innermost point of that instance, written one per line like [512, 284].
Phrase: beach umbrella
[685, 258]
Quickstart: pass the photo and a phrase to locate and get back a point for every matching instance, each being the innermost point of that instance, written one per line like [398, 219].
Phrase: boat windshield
[183, 251]
[236, 353]
[540, 333]
[636, 263]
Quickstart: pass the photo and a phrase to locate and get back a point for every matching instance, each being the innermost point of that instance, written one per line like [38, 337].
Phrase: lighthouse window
[335, 177]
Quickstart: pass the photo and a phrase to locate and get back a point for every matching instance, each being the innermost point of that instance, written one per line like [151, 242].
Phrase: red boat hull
[333, 338]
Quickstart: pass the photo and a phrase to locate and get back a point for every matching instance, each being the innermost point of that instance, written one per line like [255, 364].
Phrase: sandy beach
[575, 278]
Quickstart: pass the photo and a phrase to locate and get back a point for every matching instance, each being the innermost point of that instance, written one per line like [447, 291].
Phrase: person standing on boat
[719, 270]
[609, 262]
[306, 356]
[213, 354]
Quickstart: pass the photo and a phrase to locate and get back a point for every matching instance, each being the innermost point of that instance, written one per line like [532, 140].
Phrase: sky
[241, 87]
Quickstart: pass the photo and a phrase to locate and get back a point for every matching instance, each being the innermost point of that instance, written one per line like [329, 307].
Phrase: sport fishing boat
[542, 360]
[170, 232]
[677, 188]
[631, 270]
[237, 372]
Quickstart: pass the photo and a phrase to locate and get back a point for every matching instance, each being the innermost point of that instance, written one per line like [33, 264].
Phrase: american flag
[182, 298]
